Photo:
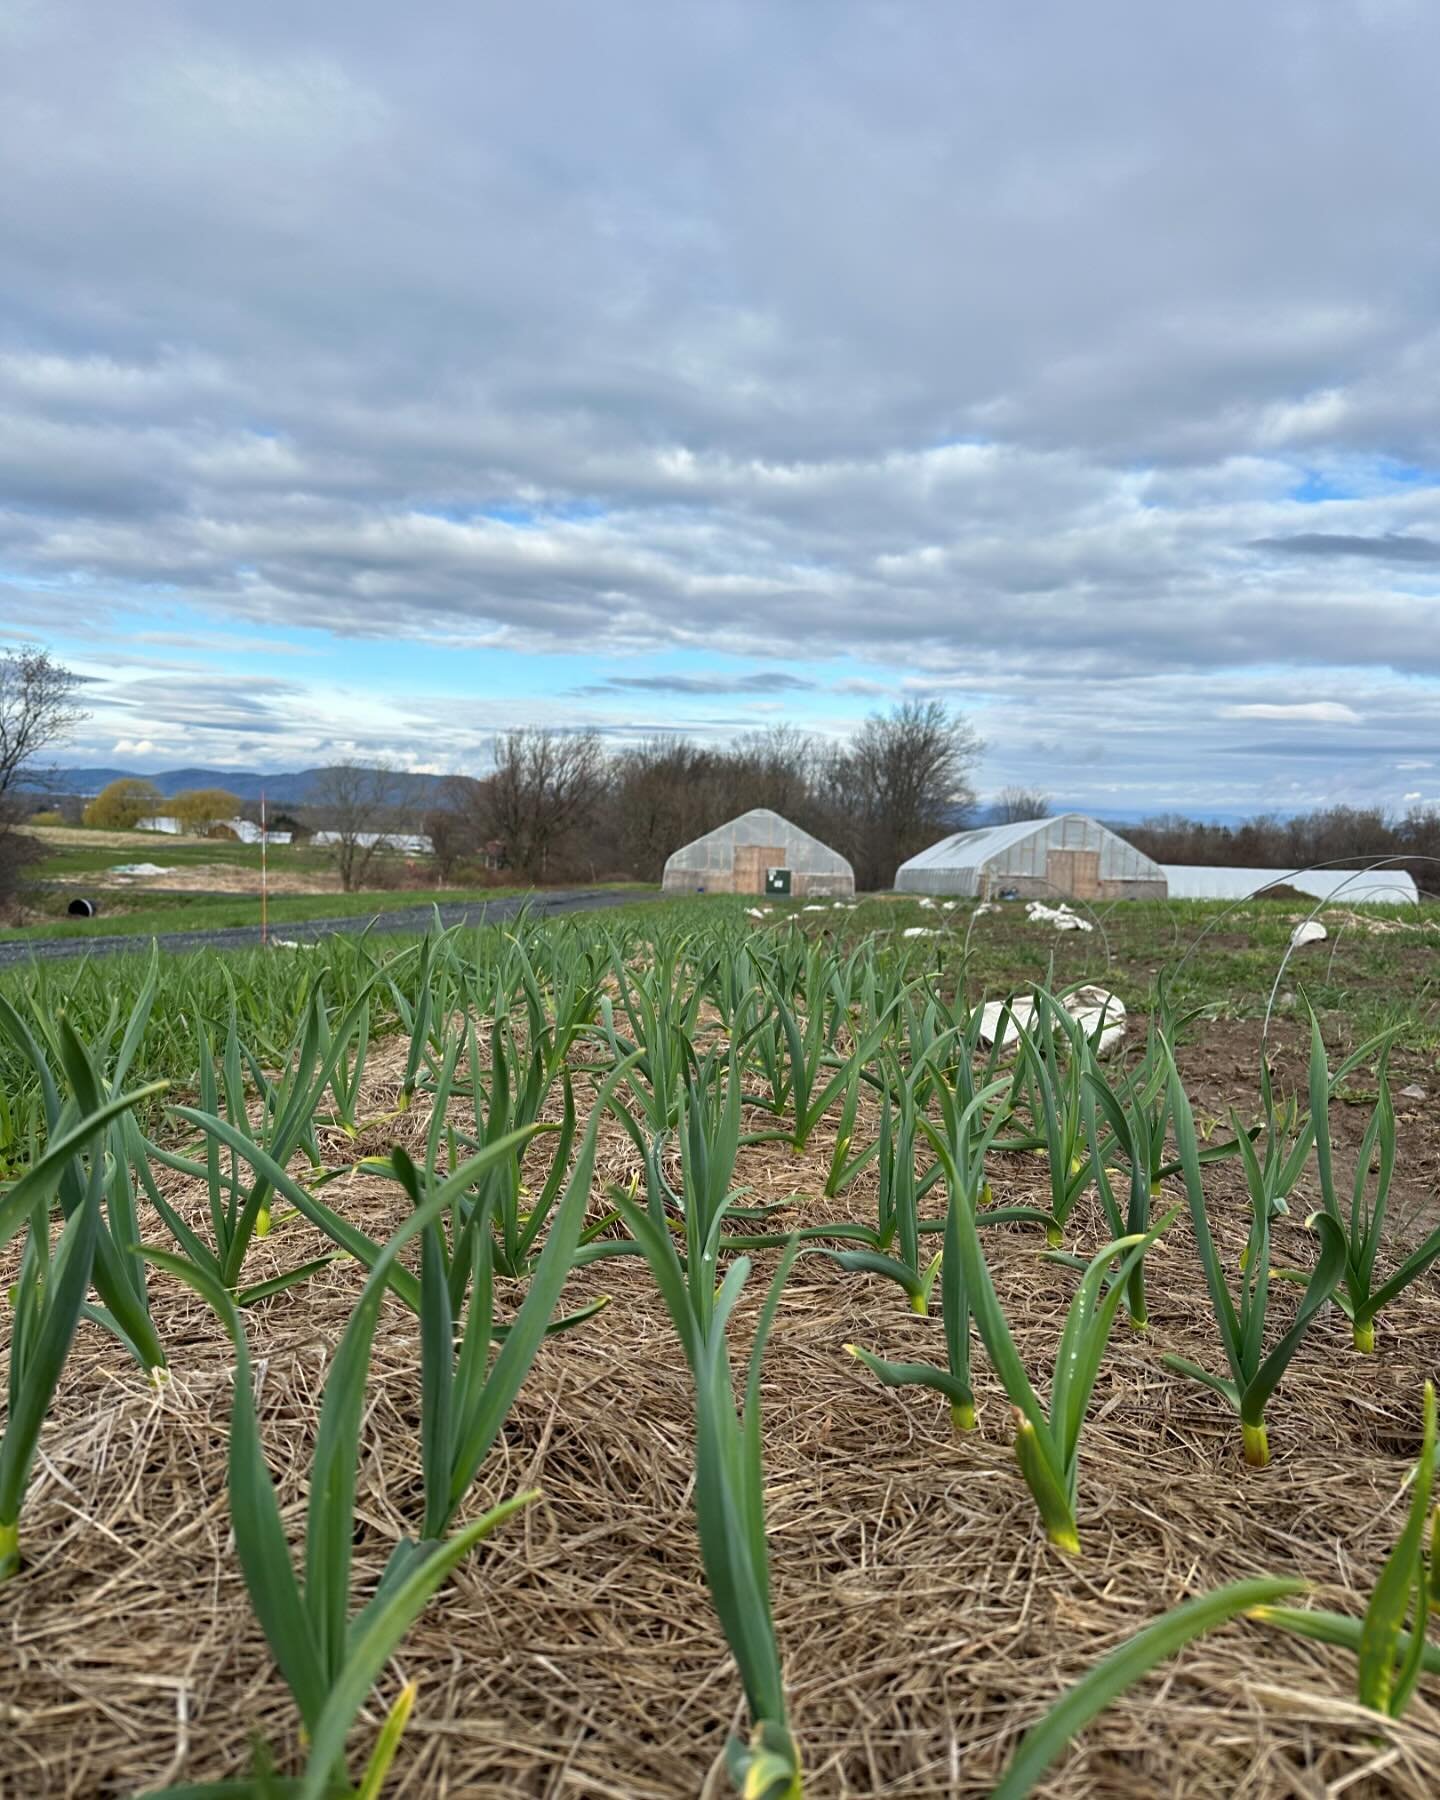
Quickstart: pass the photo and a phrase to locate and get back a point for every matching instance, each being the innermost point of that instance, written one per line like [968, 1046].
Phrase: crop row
[694, 1040]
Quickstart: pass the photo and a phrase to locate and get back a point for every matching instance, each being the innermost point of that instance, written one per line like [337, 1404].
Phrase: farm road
[247, 937]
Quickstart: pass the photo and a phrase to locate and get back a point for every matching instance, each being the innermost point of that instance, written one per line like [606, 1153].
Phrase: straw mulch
[924, 1621]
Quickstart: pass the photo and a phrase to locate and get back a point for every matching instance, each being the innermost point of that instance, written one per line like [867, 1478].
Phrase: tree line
[125, 802]
[1347, 836]
[563, 807]
[556, 805]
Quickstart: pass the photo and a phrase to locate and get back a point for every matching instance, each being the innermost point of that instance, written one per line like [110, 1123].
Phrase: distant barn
[758, 853]
[1036, 859]
[236, 831]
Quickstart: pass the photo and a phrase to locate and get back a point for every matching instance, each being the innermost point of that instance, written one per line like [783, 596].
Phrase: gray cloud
[763, 681]
[1392, 547]
[895, 337]
[199, 704]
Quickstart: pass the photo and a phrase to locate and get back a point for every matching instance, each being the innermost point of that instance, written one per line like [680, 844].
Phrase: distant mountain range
[298, 787]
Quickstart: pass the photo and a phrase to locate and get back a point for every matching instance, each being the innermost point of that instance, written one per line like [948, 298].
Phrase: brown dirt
[1221, 1067]
[923, 1619]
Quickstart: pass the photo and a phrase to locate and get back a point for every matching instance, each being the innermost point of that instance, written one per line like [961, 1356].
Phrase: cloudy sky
[373, 378]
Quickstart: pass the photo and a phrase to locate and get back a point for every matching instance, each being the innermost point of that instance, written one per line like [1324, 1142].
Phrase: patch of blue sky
[1360, 478]
[46, 580]
[485, 672]
[521, 514]
[155, 623]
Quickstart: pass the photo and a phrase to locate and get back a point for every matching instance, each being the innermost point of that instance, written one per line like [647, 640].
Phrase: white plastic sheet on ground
[1097, 1009]
[1060, 917]
[140, 869]
[1093, 1008]
[1022, 1013]
[1309, 931]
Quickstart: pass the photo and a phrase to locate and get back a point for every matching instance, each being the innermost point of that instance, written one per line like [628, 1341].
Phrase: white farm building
[244, 831]
[758, 853]
[1036, 859]
[403, 843]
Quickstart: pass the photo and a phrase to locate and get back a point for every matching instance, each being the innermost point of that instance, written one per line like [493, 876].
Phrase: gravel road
[247, 937]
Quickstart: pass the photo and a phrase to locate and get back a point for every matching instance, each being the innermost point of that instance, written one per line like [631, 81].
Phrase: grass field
[74, 850]
[858, 1569]
[149, 915]
[1379, 965]
[76, 854]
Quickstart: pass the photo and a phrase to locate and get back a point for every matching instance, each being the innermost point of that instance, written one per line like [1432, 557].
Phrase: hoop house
[1035, 859]
[758, 853]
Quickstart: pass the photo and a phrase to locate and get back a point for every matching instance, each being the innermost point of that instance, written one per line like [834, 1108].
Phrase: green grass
[1368, 980]
[1372, 979]
[152, 914]
[175, 852]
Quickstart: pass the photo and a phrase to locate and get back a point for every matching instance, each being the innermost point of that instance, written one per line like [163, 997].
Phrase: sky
[374, 379]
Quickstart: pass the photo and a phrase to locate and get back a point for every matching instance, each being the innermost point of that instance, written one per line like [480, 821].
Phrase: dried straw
[924, 1621]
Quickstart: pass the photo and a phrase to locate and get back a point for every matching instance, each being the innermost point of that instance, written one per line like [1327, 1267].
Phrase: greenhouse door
[752, 866]
[777, 881]
[1074, 872]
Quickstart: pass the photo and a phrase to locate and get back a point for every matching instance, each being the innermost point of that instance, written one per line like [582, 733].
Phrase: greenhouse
[1369, 887]
[1033, 859]
[758, 853]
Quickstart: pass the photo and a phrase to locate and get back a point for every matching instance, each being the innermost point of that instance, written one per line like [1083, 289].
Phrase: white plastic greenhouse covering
[1199, 881]
[1020, 851]
[405, 843]
[710, 861]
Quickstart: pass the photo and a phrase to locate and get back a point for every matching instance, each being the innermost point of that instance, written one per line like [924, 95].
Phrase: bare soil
[217, 878]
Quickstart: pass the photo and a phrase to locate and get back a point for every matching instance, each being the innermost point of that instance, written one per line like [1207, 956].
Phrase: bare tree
[452, 828]
[354, 799]
[666, 791]
[774, 768]
[546, 784]
[903, 782]
[36, 711]
[1014, 804]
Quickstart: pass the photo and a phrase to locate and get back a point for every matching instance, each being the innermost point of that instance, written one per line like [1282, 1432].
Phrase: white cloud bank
[1085, 373]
